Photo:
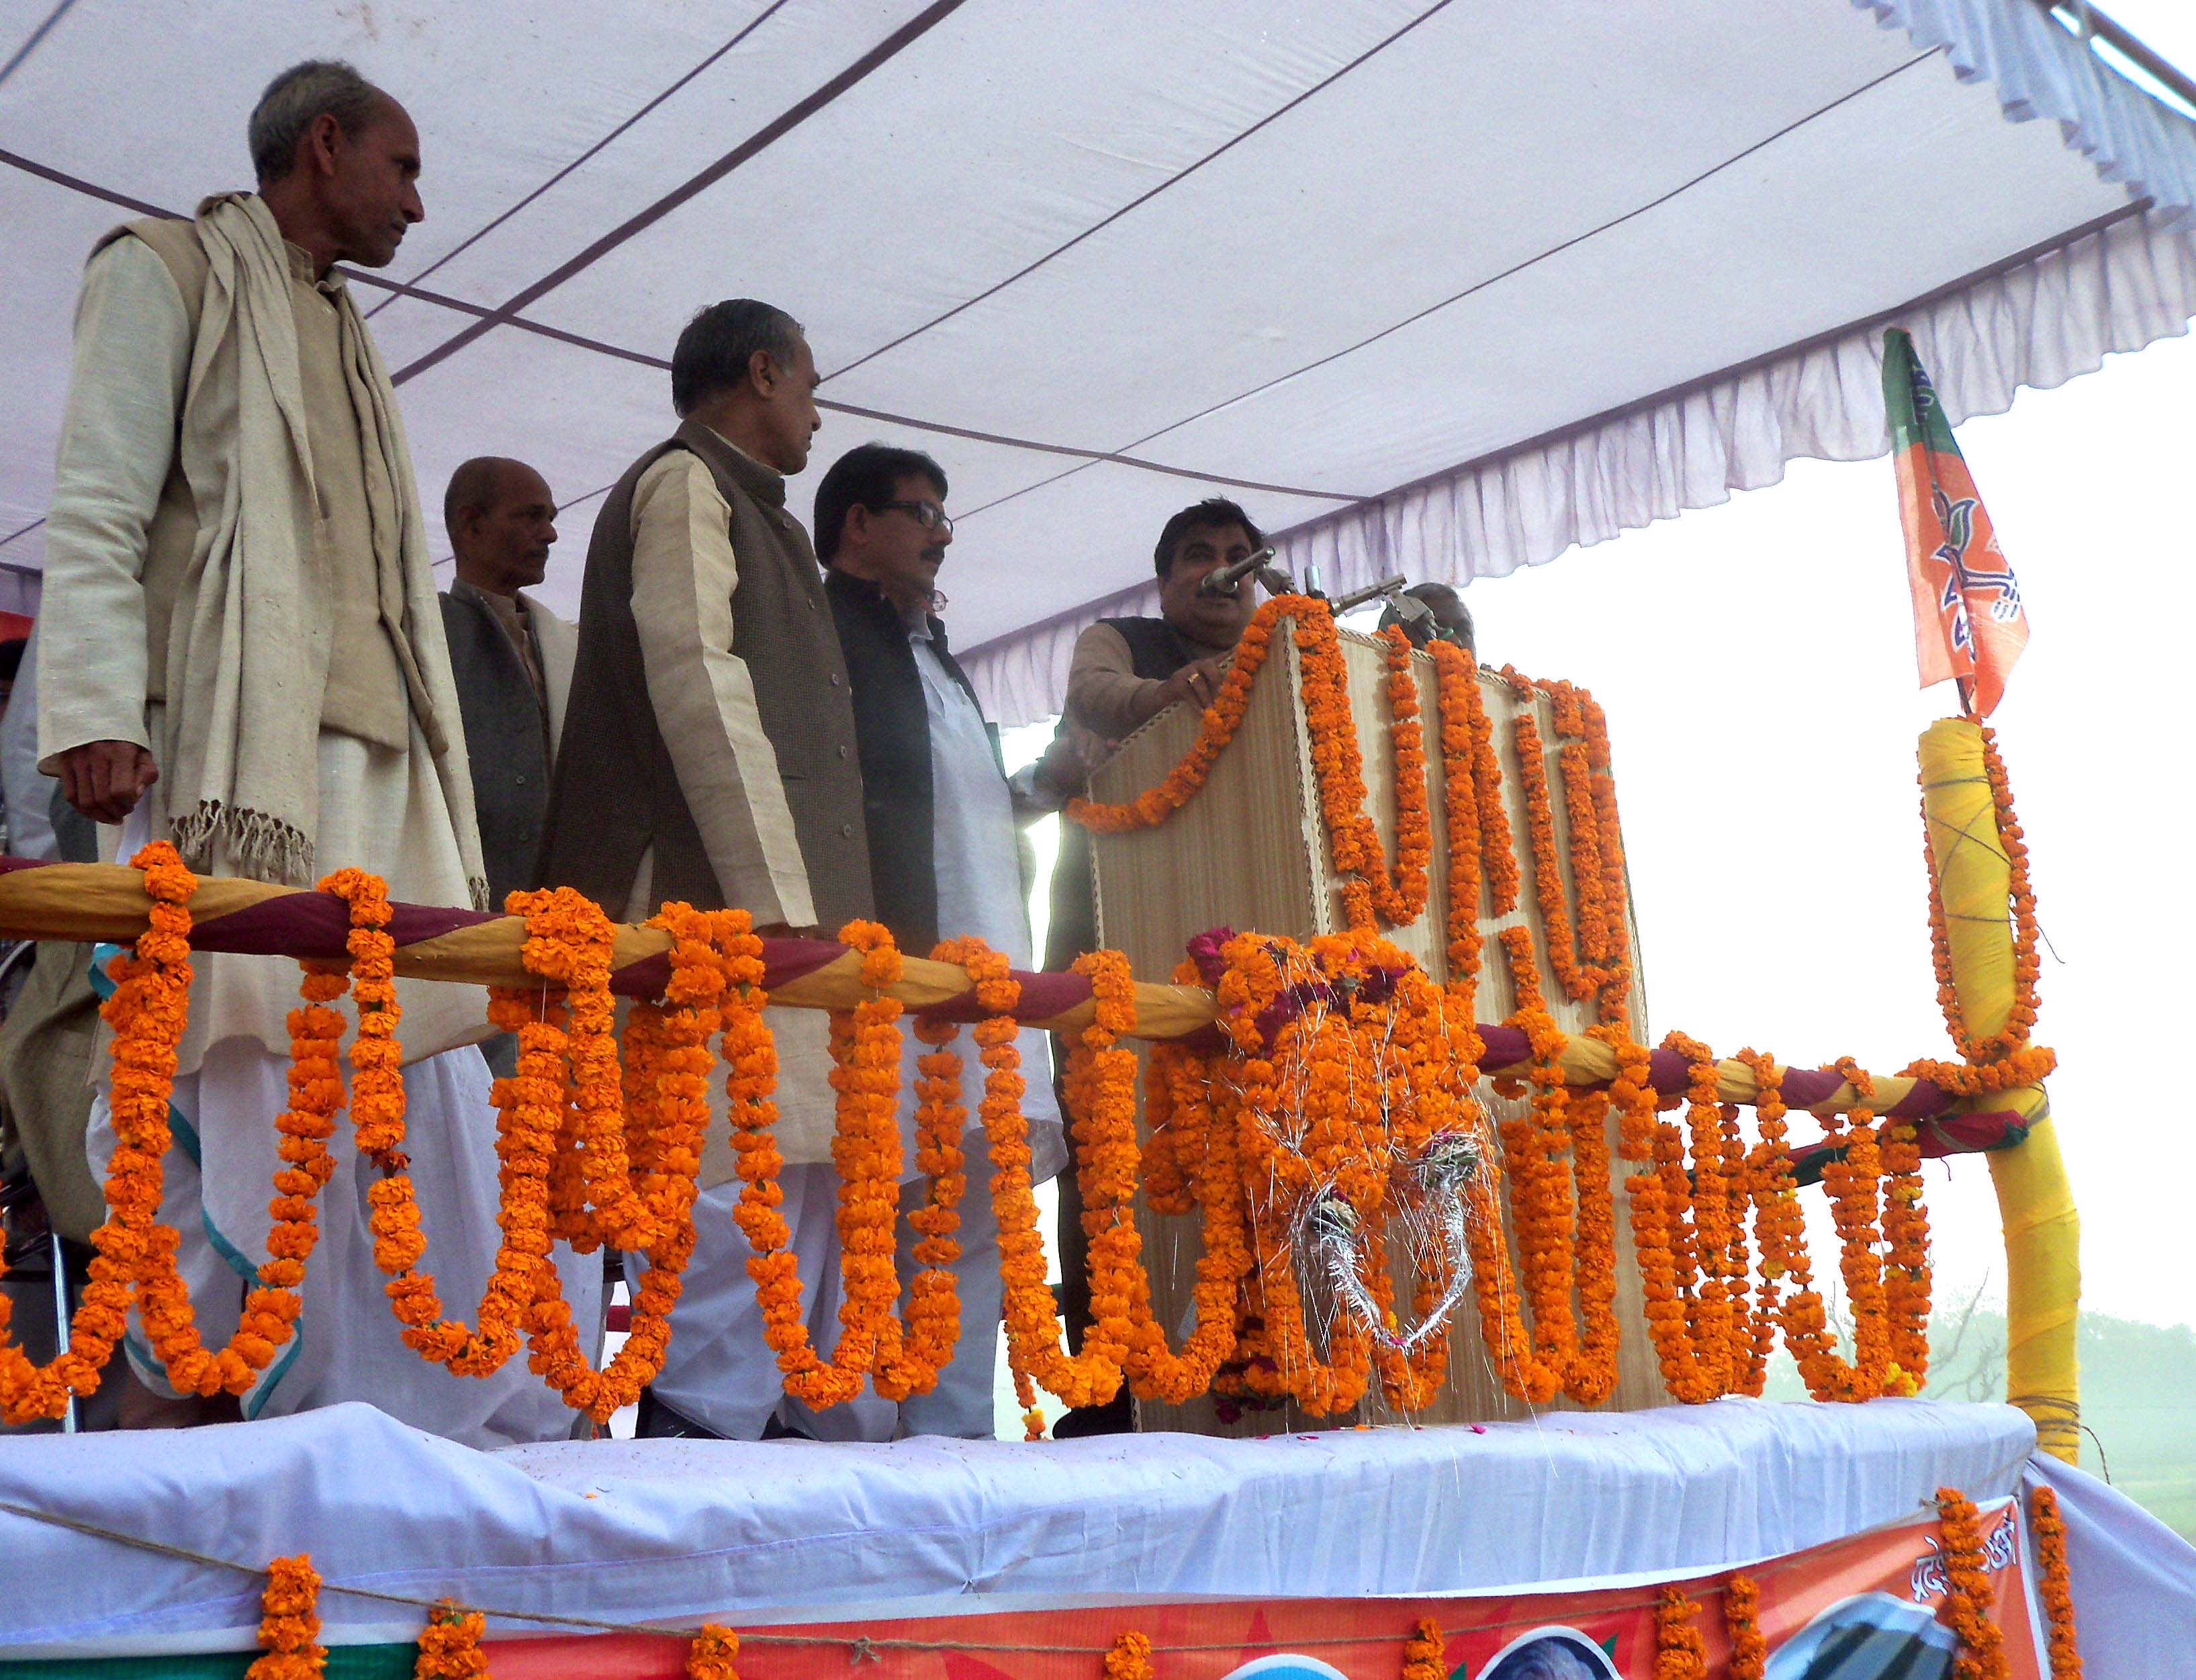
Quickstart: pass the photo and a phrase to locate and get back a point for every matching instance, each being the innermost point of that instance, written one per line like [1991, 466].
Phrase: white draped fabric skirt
[383, 810]
[346, 1347]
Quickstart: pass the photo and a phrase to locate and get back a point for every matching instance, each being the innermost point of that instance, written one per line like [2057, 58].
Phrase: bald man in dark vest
[513, 659]
[513, 656]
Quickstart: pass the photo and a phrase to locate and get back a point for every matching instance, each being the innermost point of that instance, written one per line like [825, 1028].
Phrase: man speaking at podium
[1125, 672]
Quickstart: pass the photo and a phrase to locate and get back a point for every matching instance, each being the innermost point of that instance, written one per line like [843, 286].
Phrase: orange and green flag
[1968, 624]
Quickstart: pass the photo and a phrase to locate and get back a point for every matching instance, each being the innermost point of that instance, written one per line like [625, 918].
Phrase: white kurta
[381, 808]
[718, 1372]
[976, 852]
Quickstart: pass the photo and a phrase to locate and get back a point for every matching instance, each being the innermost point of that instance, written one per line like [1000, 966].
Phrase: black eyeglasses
[929, 515]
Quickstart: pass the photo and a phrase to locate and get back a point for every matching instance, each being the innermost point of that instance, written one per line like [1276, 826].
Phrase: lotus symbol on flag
[1964, 583]
[1968, 622]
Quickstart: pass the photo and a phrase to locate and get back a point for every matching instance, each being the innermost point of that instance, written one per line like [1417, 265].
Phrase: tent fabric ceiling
[1433, 285]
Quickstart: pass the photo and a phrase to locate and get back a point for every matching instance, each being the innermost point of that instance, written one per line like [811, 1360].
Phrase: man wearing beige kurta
[244, 656]
[709, 756]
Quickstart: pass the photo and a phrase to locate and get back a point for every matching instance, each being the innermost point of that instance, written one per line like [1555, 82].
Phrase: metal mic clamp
[1371, 592]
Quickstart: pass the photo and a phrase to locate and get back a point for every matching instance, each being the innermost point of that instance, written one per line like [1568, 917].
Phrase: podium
[1250, 852]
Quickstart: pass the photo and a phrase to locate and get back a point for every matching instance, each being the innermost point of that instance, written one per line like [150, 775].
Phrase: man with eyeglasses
[944, 860]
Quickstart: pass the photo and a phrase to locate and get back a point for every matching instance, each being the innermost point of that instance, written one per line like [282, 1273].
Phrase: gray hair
[713, 351]
[295, 99]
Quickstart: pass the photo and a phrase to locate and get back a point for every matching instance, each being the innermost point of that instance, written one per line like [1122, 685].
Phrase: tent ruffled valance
[2035, 320]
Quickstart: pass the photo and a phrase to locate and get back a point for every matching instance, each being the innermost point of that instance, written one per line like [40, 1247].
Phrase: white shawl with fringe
[248, 642]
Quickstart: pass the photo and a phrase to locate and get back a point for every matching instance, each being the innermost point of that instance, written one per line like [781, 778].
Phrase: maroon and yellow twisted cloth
[95, 902]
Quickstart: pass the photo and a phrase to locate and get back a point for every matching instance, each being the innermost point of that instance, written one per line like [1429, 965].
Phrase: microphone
[1225, 579]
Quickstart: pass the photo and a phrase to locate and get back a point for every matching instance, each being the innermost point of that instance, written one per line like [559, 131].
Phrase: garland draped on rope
[1335, 1109]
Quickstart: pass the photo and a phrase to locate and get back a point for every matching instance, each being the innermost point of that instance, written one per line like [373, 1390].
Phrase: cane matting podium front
[1250, 851]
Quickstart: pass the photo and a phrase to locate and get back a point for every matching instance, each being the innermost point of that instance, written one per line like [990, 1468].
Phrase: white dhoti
[383, 810]
[346, 1345]
[718, 1369]
[719, 1372]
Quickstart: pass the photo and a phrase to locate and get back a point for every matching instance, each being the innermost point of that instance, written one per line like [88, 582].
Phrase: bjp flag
[1968, 624]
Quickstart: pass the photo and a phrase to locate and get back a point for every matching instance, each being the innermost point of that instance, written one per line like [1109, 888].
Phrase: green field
[2138, 1398]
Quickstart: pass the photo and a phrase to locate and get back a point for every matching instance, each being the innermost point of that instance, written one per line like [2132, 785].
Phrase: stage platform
[673, 1532]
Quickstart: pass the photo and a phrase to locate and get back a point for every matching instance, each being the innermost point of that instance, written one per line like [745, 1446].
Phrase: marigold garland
[1483, 868]
[1338, 772]
[1130, 1658]
[1312, 1155]
[1596, 966]
[750, 1061]
[1344, 1086]
[1970, 1604]
[1853, 1175]
[1580, 981]
[1786, 1290]
[1431, 1118]
[1608, 833]
[665, 1111]
[2056, 1587]
[2020, 1021]
[1463, 713]
[147, 1013]
[1468, 746]
[1369, 889]
[1102, 1123]
[271, 1310]
[1212, 1183]
[1402, 902]
[931, 1317]
[1741, 1622]
[289, 1623]
[1688, 1230]
[866, 1151]
[1906, 1276]
[1540, 1191]
[1426, 1651]
[865, 1054]
[714, 1655]
[450, 1644]
[1680, 1653]
[525, 1143]
[1562, 1213]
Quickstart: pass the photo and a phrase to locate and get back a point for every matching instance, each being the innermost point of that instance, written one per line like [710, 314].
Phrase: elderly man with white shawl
[243, 654]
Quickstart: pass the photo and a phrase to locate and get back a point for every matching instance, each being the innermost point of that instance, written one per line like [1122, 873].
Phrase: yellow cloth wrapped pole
[2035, 1205]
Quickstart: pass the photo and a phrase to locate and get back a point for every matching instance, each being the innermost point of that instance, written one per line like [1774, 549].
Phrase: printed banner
[1864, 1608]
[1968, 622]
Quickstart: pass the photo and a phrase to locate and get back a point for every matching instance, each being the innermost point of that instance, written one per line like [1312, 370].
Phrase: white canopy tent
[1437, 287]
